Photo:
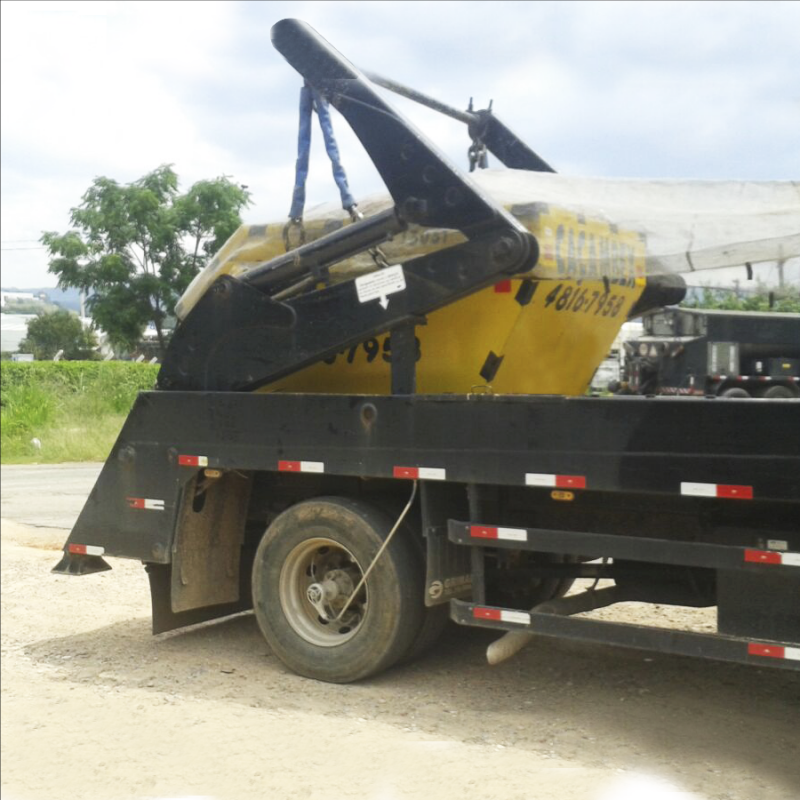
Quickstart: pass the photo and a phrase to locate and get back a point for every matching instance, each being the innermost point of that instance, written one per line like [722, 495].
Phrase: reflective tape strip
[735, 492]
[86, 550]
[193, 461]
[423, 473]
[510, 534]
[301, 466]
[772, 557]
[146, 504]
[502, 287]
[555, 481]
[773, 651]
[727, 491]
[699, 489]
[502, 615]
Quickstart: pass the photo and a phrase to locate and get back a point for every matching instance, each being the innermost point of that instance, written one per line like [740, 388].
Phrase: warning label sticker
[379, 285]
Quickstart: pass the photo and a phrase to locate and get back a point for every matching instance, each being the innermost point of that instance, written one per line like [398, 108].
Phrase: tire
[734, 392]
[434, 618]
[434, 622]
[329, 542]
[529, 593]
[779, 392]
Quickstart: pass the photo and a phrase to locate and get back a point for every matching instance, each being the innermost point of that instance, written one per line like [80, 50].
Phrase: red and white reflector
[502, 615]
[773, 651]
[146, 504]
[555, 481]
[421, 473]
[727, 491]
[193, 461]
[772, 557]
[86, 550]
[301, 466]
[509, 534]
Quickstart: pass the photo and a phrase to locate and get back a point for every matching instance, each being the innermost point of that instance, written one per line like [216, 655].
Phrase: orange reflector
[563, 496]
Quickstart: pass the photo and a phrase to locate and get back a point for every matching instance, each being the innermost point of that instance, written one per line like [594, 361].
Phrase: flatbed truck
[356, 524]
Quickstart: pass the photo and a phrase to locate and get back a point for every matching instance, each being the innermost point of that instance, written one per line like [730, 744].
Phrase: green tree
[49, 333]
[135, 248]
[209, 214]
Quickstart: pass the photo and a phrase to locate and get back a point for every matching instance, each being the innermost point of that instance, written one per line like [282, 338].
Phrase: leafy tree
[136, 247]
[49, 333]
[209, 213]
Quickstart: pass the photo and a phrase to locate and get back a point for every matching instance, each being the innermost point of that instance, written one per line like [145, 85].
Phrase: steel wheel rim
[309, 563]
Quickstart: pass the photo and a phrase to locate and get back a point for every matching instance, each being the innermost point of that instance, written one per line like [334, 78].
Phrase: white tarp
[686, 224]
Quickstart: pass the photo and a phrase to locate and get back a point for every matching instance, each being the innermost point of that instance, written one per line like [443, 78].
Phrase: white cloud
[655, 89]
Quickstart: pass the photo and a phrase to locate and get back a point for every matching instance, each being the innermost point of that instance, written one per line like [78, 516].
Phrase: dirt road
[95, 707]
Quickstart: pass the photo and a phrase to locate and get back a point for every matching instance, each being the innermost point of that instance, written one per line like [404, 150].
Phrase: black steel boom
[242, 335]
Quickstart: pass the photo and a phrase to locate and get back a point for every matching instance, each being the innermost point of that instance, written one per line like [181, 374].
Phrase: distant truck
[687, 351]
[610, 370]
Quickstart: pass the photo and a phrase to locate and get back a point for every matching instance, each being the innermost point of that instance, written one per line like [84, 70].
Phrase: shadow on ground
[596, 705]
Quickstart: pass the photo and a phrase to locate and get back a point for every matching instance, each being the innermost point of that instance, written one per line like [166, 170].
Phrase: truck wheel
[306, 567]
[735, 391]
[511, 588]
[777, 392]
[435, 619]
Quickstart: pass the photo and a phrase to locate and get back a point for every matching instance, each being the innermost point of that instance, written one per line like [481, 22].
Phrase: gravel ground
[94, 706]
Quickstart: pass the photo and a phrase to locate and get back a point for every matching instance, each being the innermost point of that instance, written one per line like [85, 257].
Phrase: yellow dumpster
[540, 333]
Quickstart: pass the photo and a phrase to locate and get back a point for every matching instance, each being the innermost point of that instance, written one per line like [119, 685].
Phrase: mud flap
[759, 604]
[448, 570]
[164, 619]
[207, 547]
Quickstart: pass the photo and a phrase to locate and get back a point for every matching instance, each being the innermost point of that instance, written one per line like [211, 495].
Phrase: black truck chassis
[693, 502]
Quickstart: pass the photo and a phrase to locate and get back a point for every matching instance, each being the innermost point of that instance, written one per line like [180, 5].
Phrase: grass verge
[53, 412]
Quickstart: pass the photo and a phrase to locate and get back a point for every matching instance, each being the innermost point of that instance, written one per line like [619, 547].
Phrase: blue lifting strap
[310, 100]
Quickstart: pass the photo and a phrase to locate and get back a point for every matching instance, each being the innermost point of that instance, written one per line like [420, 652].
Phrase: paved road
[46, 495]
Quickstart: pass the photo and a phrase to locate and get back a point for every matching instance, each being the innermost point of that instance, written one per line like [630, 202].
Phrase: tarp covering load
[686, 225]
[601, 241]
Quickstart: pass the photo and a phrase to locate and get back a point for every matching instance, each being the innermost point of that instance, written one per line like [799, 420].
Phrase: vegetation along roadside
[59, 411]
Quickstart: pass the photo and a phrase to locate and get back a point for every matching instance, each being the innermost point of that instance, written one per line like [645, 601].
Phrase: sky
[614, 89]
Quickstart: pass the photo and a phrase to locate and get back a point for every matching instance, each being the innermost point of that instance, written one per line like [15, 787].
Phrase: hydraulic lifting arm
[284, 315]
[485, 129]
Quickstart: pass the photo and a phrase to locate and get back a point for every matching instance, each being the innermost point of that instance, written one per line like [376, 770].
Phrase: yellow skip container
[540, 333]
